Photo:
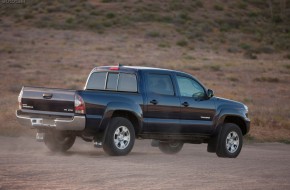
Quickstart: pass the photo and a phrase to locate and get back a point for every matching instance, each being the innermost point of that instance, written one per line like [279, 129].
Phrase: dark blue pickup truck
[122, 103]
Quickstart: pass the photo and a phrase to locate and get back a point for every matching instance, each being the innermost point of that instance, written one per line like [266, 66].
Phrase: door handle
[185, 104]
[47, 96]
[154, 102]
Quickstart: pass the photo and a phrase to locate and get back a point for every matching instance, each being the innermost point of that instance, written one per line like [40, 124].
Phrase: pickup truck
[122, 103]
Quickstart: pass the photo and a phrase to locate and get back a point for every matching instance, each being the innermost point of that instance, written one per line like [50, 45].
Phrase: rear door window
[160, 84]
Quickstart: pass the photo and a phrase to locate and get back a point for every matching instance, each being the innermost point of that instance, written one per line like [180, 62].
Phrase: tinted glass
[97, 81]
[127, 82]
[190, 88]
[160, 84]
[112, 81]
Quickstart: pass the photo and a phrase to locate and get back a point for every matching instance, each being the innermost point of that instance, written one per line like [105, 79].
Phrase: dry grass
[64, 59]
[53, 57]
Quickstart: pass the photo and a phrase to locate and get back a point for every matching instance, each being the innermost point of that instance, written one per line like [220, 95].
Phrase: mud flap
[214, 140]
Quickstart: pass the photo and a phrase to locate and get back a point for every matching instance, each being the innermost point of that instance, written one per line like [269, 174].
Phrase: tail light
[79, 105]
[20, 99]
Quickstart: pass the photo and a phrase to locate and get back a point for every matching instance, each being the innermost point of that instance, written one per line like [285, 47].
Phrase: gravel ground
[26, 164]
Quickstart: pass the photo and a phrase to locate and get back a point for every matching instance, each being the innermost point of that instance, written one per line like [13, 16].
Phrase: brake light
[20, 99]
[79, 105]
[114, 68]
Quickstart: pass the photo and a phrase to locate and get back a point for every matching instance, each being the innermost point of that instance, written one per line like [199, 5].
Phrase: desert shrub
[198, 4]
[228, 24]
[250, 55]
[218, 7]
[265, 49]
[287, 56]
[153, 34]
[287, 66]
[245, 46]
[189, 57]
[214, 67]
[163, 45]
[95, 13]
[110, 15]
[233, 50]
[17, 66]
[69, 20]
[233, 79]
[247, 100]
[277, 19]
[252, 14]
[28, 16]
[242, 5]
[182, 43]
[94, 25]
[259, 3]
[7, 49]
[192, 67]
[267, 79]
[184, 16]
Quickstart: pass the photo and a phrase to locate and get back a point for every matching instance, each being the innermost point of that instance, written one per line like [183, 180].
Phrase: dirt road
[26, 164]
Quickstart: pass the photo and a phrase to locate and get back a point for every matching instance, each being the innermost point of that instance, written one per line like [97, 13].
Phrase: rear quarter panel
[100, 105]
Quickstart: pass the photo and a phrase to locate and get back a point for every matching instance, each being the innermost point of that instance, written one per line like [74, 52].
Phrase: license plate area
[42, 122]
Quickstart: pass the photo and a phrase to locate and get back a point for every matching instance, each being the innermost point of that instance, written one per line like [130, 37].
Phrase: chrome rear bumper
[76, 123]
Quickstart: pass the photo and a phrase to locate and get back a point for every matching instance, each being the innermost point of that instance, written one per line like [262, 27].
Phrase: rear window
[97, 81]
[112, 81]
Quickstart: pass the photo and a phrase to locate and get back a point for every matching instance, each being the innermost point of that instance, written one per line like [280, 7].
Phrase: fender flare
[111, 108]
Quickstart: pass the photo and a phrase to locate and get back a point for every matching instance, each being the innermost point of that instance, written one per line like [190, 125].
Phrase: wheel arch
[238, 120]
[131, 117]
[130, 111]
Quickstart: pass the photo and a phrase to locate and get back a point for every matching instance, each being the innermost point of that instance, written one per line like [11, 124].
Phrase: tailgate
[48, 99]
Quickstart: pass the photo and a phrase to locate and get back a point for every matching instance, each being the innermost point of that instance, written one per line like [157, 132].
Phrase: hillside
[249, 26]
[239, 48]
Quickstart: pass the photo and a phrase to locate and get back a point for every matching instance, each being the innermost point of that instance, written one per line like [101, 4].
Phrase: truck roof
[132, 68]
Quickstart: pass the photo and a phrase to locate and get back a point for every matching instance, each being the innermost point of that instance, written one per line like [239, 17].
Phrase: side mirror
[210, 93]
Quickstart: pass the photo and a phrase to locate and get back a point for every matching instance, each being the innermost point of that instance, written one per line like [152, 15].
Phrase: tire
[230, 141]
[170, 147]
[57, 141]
[120, 137]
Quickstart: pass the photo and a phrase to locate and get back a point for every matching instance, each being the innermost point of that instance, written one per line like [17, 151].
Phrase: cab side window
[190, 88]
[160, 84]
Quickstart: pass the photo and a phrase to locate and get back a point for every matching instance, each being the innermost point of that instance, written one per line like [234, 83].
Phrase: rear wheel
[230, 141]
[120, 137]
[58, 141]
[170, 147]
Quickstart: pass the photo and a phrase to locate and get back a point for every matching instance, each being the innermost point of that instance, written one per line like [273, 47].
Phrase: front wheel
[170, 147]
[230, 141]
[58, 141]
[120, 137]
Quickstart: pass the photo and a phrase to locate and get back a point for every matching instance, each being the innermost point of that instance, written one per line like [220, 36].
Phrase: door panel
[163, 106]
[197, 111]
[198, 116]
